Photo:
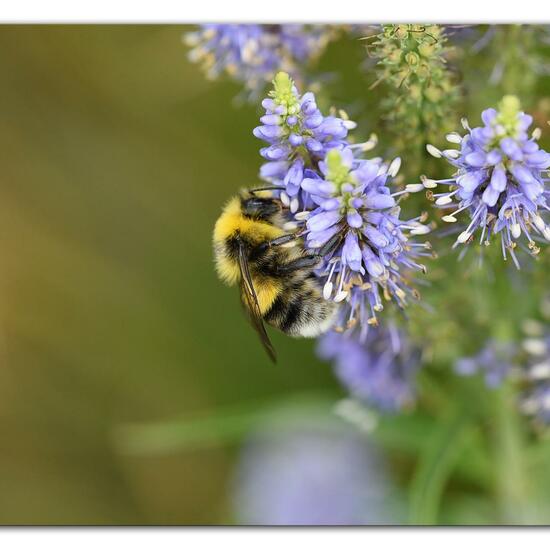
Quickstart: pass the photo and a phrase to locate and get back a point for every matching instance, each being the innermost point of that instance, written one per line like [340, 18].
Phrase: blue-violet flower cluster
[254, 53]
[342, 201]
[501, 181]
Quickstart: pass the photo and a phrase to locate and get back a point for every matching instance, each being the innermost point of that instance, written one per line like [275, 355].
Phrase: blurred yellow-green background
[129, 378]
[116, 156]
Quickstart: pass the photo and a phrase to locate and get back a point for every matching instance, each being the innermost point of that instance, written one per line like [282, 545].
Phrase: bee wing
[250, 301]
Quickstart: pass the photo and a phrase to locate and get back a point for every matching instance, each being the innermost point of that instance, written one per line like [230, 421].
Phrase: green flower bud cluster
[421, 94]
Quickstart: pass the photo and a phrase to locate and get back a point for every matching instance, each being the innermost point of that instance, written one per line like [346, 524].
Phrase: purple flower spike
[253, 54]
[501, 181]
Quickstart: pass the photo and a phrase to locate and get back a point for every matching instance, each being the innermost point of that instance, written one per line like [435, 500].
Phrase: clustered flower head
[536, 398]
[500, 182]
[336, 195]
[379, 371]
[527, 365]
[254, 53]
[299, 136]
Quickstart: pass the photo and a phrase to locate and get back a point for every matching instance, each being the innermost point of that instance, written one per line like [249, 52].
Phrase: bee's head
[257, 206]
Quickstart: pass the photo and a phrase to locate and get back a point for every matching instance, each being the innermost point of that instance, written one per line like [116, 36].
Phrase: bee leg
[305, 262]
[331, 245]
[278, 241]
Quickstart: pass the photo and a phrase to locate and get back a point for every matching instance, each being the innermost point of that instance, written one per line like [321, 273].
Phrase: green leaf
[221, 427]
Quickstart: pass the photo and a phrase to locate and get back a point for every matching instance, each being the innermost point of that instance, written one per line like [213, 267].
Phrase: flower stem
[512, 485]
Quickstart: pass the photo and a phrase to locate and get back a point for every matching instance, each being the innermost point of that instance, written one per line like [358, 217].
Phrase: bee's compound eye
[259, 208]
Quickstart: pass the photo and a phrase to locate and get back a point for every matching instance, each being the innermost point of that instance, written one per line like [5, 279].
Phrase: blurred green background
[116, 156]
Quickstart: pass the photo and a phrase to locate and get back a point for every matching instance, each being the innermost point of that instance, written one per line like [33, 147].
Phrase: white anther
[449, 219]
[463, 237]
[414, 187]
[327, 290]
[301, 216]
[420, 230]
[428, 183]
[370, 143]
[434, 151]
[515, 229]
[454, 137]
[537, 132]
[290, 226]
[340, 296]
[445, 199]
[539, 223]
[294, 204]
[394, 167]
[285, 199]
[451, 153]
[349, 124]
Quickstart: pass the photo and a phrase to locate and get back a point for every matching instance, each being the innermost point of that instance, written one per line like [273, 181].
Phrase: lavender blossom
[379, 371]
[354, 203]
[315, 472]
[254, 53]
[495, 362]
[299, 136]
[332, 193]
[501, 181]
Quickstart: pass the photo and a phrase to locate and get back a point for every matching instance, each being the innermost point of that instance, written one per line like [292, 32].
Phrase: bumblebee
[275, 274]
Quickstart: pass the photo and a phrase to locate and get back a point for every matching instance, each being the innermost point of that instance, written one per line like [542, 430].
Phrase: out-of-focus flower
[314, 471]
[494, 362]
[254, 53]
[379, 371]
[501, 180]
[299, 136]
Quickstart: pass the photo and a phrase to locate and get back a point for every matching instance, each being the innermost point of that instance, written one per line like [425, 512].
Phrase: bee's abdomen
[301, 311]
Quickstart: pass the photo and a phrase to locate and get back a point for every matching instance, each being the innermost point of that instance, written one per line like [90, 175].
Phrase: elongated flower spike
[252, 54]
[337, 196]
[501, 182]
[298, 137]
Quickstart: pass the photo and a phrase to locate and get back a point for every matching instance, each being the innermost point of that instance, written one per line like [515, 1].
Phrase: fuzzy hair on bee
[273, 270]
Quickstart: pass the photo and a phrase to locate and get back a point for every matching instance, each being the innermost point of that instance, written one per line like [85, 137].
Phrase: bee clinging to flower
[274, 272]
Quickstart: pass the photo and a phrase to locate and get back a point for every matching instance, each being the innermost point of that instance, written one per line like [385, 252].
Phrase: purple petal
[471, 180]
[372, 263]
[354, 219]
[511, 148]
[476, 159]
[351, 253]
[498, 179]
[377, 238]
[379, 201]
[323, 220]
[488, 116]
[490, 196]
